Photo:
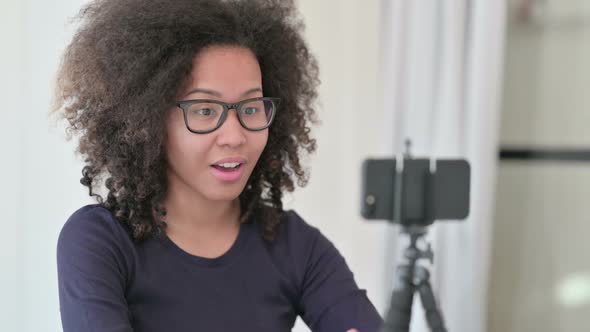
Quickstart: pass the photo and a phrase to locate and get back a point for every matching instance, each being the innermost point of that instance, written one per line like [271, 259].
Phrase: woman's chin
[224, 195]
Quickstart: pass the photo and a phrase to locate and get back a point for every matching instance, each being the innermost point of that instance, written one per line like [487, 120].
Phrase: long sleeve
[92, 274]
[331, 301]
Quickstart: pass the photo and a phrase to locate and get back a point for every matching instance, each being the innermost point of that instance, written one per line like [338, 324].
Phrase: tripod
[414, 193]
[413, 277]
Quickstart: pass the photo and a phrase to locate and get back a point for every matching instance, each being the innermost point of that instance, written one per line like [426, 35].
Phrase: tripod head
[413, 252]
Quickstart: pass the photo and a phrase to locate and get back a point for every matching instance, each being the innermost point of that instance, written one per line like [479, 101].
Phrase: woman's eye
[250, 110]
[204, 111]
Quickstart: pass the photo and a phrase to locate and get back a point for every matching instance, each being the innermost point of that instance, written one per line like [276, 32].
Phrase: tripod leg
[400, 308]
[433, 316]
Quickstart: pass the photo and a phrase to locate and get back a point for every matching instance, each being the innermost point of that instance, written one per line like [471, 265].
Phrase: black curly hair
[124, 68]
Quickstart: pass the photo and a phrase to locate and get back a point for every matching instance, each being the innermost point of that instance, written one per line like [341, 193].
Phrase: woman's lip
[228, 176]
[230, 160]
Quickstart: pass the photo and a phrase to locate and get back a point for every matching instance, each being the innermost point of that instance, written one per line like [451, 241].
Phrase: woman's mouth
[228, 171]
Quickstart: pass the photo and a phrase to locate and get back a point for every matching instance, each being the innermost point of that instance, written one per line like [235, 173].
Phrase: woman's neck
[204, 230]
[192, 213]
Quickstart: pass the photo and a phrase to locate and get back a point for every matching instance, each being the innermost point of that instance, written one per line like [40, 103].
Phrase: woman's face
[228, 74]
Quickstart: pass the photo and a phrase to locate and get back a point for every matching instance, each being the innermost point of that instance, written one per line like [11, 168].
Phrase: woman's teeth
[228, 165]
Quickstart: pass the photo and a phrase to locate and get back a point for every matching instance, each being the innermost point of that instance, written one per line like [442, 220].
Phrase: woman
[192, 115]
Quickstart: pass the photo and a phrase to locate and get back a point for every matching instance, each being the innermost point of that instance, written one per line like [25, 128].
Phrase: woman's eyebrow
[217, 94]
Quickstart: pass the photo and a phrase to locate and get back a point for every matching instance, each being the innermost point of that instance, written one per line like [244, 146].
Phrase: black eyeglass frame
[184, 105]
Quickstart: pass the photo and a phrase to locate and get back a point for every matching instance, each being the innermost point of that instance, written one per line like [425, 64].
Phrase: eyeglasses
[203, 116]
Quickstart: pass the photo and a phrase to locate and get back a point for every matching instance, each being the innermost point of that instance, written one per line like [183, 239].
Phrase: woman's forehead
[223, 71]
[231, 61]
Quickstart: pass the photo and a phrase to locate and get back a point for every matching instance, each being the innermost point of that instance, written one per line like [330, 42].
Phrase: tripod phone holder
[414, 193]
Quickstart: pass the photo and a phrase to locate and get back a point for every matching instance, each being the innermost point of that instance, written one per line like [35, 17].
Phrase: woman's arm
[330, 298]
[91, 276]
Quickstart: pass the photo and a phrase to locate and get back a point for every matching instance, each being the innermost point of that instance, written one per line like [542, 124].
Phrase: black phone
[415, 196]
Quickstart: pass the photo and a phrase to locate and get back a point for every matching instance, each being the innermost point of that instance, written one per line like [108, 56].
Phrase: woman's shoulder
[90, 212]
[301, 237]
[92, 247]
[90, 216]
[295, 226]
[295, 220]
[91, 223]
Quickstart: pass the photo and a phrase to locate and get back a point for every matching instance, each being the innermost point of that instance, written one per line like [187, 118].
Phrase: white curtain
[443, 64]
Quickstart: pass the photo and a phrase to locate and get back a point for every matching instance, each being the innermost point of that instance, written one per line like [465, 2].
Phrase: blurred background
[503, 84]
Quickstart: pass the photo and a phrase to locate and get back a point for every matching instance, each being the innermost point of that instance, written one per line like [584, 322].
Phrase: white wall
[547, 76]
[540, 278]
[41, 186]
[346, 38]
[11, 143]
[41, 173]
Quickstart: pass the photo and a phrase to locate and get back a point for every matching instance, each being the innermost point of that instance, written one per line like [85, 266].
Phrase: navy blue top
[108, 283]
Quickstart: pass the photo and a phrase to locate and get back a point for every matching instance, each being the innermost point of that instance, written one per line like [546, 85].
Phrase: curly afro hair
[124, 68]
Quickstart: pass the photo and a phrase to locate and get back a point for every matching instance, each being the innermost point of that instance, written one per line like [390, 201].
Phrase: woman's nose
[231, 131]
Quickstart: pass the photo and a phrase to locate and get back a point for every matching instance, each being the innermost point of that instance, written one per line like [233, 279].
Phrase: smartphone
[415, 195]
